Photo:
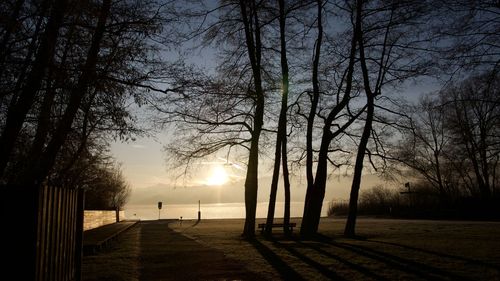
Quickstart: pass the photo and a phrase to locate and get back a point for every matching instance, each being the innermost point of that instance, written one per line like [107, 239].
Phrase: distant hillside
[234, 192]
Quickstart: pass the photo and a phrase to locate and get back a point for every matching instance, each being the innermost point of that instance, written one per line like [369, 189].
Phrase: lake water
[210, 211]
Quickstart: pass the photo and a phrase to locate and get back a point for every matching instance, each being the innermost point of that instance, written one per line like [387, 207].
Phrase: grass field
[386, 250]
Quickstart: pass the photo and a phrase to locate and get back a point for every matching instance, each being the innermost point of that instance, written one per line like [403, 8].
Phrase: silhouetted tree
[466, 38]
[103, 55]
[472, 111]
[388, 37]
[21, 104]
[425, 144]
[451, 139]
[224, 111]
[338, 118]
[107, 189]
[281, 136]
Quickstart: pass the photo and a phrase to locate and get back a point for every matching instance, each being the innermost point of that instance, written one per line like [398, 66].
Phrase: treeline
[422, 202]
[68, 72]
[448, 146]
[452, 142]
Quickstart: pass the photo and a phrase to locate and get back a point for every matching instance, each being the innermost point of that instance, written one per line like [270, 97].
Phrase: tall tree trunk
[84, 136]
[17, 113]
[312, 209]
[44, 117]
[42, 130]
[358, 170]
[252, 37]
[314, 107]
[274, 182]
[286, 187]
[350, 227]
[316, 192]
[310, 221]
[41, 168]
[43, 122]
[281, 135]
[251, 187]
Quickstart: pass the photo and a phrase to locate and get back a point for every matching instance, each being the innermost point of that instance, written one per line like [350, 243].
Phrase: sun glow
[219, 176]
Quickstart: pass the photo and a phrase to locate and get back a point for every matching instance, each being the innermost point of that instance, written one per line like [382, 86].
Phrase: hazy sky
[143, 161]
[144, 166]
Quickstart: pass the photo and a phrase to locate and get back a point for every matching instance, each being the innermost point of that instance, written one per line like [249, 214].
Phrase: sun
[218, 176]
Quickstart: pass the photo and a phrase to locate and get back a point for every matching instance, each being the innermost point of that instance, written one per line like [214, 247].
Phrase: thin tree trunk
[281, 135]
[314, 106]
[358, 170]
[17, 114]
[43, 122]
[437, 151]
[252, 38]
[42, 130]
[350, 227]
[286, 187]
[41, 168]
[84, 136]
[483, 147]
[471, 148]
[442, 193]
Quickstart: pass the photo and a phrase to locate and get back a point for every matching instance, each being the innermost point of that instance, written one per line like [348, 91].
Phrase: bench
[291, 225]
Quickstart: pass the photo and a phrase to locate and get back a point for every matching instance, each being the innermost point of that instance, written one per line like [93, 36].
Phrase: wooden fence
[44, 232]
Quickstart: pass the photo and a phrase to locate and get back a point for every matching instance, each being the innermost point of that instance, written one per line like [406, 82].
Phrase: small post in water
[199, 211]
[159, 208]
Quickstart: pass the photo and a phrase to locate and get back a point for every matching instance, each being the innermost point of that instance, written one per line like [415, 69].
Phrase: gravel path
[168, 255]
[152, 251]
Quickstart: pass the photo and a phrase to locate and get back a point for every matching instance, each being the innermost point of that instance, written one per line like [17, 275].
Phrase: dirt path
[168, 255]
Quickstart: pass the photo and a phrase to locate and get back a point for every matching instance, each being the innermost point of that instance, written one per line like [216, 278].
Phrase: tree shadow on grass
[438, 254]
[406, 265]
[356, 267]
[419, 269]
[283, 243]
[285, 270]
[318, 266]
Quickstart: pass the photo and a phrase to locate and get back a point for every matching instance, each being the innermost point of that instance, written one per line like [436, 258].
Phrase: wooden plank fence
[44, 232]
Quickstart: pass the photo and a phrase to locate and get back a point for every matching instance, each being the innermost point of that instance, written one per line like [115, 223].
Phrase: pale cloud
[138, 146]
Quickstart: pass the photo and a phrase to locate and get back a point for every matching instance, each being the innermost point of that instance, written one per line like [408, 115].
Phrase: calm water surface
[210, 211]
